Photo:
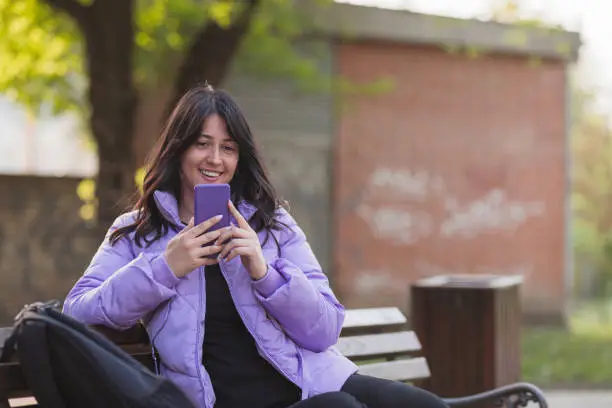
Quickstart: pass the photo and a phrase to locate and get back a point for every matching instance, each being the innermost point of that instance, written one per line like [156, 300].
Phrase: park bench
[375, 338]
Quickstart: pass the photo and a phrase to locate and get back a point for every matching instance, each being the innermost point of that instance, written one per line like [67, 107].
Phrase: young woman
[251, 327]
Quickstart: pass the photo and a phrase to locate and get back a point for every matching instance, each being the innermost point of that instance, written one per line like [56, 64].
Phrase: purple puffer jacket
[291, 312]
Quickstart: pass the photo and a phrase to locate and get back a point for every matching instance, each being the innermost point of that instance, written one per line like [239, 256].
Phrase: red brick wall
[459, 169]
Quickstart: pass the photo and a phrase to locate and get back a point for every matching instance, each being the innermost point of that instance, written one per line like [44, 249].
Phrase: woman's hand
[185, 252]
[243, 240]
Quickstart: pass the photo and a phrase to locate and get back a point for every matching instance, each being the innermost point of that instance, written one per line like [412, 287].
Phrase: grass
[580, 356]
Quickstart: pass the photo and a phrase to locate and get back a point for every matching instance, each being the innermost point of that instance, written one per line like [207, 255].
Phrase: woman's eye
[229, 148]
[201, 144]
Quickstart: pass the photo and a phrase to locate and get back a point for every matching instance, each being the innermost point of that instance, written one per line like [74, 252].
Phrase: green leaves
[163, 30]
[591, 192]
[40, 64]
[277, 47]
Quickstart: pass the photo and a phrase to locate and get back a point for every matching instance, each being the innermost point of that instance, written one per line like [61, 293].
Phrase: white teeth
[210, 173]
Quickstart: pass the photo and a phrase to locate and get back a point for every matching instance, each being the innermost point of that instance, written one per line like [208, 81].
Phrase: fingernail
[218, 217]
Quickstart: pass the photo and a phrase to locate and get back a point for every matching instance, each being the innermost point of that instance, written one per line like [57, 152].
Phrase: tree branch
[211, 53]
[73, 8]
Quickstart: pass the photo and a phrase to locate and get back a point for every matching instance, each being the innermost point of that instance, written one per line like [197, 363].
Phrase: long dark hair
[250, 182]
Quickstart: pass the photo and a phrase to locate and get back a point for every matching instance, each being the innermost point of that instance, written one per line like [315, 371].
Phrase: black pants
[362, 391]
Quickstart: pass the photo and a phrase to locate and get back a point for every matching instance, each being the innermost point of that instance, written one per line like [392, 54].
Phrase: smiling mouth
[208, 173]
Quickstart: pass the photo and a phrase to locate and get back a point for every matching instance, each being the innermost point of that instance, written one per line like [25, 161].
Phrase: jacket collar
[168, 206]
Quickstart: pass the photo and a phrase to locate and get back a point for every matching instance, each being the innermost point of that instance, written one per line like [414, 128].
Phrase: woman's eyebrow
[209, 137]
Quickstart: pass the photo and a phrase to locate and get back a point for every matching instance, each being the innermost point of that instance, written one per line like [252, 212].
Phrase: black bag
[68, 365]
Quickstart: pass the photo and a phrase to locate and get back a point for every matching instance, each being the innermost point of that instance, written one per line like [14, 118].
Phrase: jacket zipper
[256, 337]
[155, 362]
[199, 344]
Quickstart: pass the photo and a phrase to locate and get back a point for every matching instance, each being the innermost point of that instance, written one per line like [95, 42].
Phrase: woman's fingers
[208, 261]
[232, 232]
[239, 251]
[189, 224]
[207, 237]
[204, 226]
[207, 251]
[236, 242]
[242, 223]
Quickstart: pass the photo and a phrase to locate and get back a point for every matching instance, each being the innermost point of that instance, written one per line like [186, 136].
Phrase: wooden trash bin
[469, 327]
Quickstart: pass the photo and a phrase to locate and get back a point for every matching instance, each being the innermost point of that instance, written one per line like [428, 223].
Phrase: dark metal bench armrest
[509, 396]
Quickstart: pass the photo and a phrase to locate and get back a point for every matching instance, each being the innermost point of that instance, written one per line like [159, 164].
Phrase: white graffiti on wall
[493, 211]
[405, 183]
[398, 225]
[374, 280]
[401, 224]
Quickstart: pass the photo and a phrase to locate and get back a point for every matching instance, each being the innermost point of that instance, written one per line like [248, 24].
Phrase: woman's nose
[214, 156]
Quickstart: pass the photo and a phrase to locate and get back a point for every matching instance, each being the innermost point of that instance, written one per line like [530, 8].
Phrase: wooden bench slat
[388, 344]
[26, 402]
[372, 317]
[373, 333]
[398, 370]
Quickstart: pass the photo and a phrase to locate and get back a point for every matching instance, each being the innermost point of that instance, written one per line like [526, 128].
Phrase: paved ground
[579, 399]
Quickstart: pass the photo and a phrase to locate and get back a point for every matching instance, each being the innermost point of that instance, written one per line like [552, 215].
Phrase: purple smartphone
[211, 200]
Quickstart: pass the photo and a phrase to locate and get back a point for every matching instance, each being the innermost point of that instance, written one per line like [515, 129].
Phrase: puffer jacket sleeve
[296, 292]
[119, 288]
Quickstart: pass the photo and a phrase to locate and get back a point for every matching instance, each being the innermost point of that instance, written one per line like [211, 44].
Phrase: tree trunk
[109, 34]
[108, 28]
[211, 53]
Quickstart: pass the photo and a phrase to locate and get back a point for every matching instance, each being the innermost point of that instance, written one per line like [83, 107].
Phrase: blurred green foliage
[578, 356]
[86, 190]
[41, 56]
[43, 63]
[43, 52]
[591, 150]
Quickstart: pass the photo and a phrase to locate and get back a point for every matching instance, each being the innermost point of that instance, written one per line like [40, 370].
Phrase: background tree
[94, 57]
[98, 57]
[591, 195]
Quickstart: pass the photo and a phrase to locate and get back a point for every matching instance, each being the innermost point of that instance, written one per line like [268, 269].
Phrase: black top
[240, 377]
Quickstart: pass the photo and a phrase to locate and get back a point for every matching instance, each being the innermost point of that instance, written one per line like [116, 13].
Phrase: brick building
[461, 167]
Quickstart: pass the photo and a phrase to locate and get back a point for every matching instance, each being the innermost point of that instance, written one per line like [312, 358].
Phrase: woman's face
[213, 158]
